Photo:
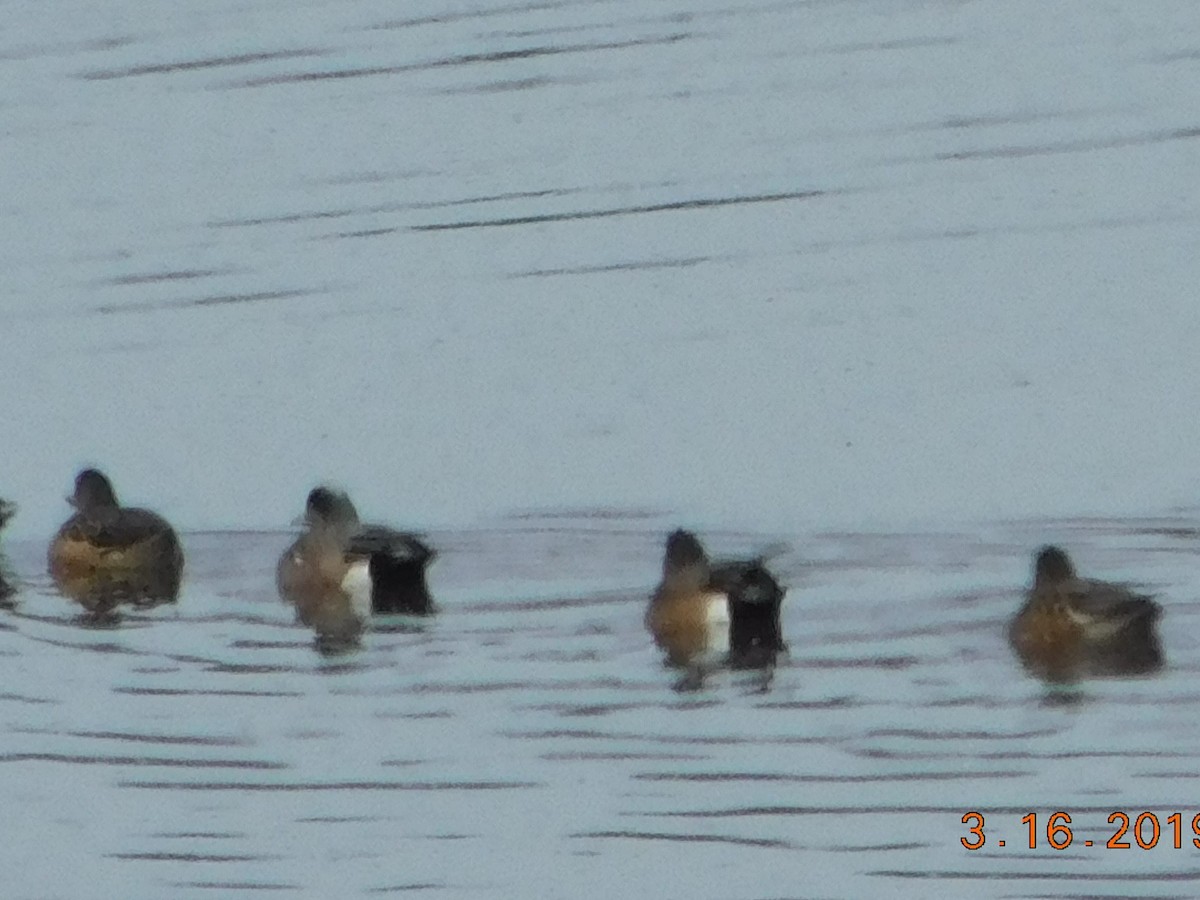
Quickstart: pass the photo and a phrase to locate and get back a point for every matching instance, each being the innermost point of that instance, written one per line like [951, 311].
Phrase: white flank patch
[718, 623]
[1096, 628]
[357, 585]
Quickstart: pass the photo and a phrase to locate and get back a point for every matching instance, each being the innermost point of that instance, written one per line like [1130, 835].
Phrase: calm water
[773, 265]
[850, 275]
[528, 742]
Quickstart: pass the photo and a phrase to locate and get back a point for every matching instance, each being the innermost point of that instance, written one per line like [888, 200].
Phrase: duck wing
[746, 581]
[398, 561]
[1104, 609]
[399, 546]
[755, 598]
[118, 528]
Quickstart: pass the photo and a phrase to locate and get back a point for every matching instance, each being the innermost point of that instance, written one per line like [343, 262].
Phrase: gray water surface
[528, 741]
[771, 265]
[851, 275]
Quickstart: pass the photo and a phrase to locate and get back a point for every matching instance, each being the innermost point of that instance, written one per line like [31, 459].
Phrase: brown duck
[1072, 627]
[339, 571]
[107, 553]
[701, 611]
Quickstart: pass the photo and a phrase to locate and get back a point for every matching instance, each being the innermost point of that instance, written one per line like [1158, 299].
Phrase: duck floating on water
[107, 554]
[1071, 627]
[703, 611]
[340, 571]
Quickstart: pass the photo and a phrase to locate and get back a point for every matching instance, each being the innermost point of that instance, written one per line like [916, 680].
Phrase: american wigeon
[700, 611]
[338, 570]
[1072, 627]
[107, 553]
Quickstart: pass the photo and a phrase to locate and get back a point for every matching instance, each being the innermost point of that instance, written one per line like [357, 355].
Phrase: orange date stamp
[1142, 830]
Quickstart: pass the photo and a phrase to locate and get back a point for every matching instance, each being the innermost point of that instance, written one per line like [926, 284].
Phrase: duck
[107, 553]
[339, 571]
[701, 612]
[1071, 628]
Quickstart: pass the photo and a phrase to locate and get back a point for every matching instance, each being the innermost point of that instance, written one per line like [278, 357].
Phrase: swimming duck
[700, 611]
[1072, 627]
[107, 553]
[339, 571]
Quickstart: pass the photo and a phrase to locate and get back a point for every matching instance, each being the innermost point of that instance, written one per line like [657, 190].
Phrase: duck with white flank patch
[339, 571]
[703, 612]
[1072, 627]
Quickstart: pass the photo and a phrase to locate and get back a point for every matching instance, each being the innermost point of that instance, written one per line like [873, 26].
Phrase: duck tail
[399, 585]
[1135, 649]
[755, 599]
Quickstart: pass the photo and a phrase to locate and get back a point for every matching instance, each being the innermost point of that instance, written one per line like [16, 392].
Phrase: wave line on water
[331, 786]
[174, 762]
[465, 59]
[191, 65]
[670, 206]
[767, 843]
[738, 812]
[1073, 875]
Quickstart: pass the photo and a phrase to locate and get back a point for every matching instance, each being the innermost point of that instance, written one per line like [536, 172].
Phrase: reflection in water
[1062, 696]
[755, 674]
[335, 639]
[100, 592]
